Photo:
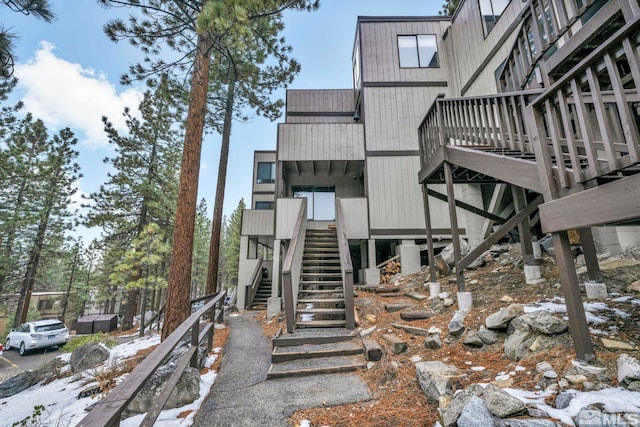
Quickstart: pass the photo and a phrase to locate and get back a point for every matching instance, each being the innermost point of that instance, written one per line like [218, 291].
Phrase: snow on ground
[60, 397]
[613, 400]
[557, 305]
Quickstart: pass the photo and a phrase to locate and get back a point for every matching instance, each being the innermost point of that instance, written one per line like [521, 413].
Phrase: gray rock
[564, 398]
[88, 356]
[368, 331]
[436, 378]
[413, 330]
[475, 413]
[398, 306]
[456, 325]
[515, 346]
[448, 302]
[501, 319]
[501, 403]
[545, 323]
[453, 410]
[21, 382]
[447, 252]
[187, 390]
[552, 375]
[543, 367]
[432, 342]
[629, 372]
[591, 417]
[487, 336]
[525, 422]
[473, 340]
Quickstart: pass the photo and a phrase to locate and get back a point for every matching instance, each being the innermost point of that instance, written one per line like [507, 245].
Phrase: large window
[491, 10]
[321, 202]
[266, 173]
[419, 51]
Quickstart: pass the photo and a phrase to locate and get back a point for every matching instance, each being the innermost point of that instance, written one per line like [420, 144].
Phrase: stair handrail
[557, 19]
[570, 114]
[107, 411]
[346, 267]
[293, 265]
[252, 287]
[491, 120]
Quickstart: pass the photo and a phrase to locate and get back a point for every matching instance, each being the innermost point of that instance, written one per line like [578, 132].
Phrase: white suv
[38, 334]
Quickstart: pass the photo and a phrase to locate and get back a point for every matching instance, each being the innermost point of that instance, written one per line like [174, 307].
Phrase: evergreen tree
[202, 234]
[231, 248]
[449, 7]
[23, 160]
[56, 178]
[39, 8]
[198, 30]
[140, 191]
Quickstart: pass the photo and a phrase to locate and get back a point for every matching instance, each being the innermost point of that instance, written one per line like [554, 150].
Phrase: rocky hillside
[507, 361]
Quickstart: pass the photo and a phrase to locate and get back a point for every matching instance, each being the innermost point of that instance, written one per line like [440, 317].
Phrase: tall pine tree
[141, 189]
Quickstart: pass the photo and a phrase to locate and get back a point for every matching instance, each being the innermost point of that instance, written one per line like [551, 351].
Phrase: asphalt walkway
[241, 396]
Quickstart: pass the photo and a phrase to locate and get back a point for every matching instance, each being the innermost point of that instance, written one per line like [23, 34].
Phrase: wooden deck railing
[346, 268]
[292, 267]
[587, 121]
[496, 121]
[108, 410]
[544, 23]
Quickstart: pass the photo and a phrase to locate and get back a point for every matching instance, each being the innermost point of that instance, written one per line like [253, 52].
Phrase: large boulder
[447, 252]
[88, 356]
[501, 319]
[187, 390]
[21, 382]
[436, 378]
[544, 322]
[475, 413]
[502, 404]
[629, 372]
[452, 411]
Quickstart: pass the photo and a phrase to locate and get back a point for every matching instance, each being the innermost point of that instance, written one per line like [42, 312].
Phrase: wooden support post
[453, 217]
[571, 290]
[195, 342]
[590, 255]
[427, 220]
[524, 227]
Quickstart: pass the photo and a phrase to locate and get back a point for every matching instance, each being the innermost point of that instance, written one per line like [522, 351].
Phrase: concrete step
[315, 351]
[313, 336]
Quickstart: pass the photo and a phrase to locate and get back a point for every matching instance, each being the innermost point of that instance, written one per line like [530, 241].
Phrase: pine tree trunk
[178, 308]
[32, 268]
[214, 246]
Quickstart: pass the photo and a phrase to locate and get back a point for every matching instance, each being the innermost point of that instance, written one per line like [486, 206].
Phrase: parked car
[1, 348]
[38, 334]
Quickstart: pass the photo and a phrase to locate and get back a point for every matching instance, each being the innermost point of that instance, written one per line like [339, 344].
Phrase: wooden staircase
[321, 292]
[262, 294]
[316, 351]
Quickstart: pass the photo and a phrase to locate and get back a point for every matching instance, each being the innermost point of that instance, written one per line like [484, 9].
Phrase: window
[321, 205]
[266, 173]
[264, 205]
[45, 304]
[490, 10]
[419, 51]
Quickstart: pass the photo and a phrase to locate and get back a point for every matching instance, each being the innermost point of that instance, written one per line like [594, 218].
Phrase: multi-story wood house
[508, 115]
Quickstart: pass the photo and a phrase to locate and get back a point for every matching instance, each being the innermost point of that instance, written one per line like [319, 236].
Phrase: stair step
[321, 311]
[326, 292]
[321, 323]
[332, 268]
[314, 351]
[320, 300]
[315, 261]
[313, 336]
[325, 365]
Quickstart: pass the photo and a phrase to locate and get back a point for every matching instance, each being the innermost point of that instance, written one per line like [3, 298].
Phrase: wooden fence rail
[108, 411]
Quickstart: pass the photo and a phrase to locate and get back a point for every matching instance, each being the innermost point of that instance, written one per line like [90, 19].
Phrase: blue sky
[69, 76]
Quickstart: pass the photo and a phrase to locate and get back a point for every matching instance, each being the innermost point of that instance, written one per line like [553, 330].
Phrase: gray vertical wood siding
[320, 142]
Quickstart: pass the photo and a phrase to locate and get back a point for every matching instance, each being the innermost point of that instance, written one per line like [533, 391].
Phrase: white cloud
[66, 94]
